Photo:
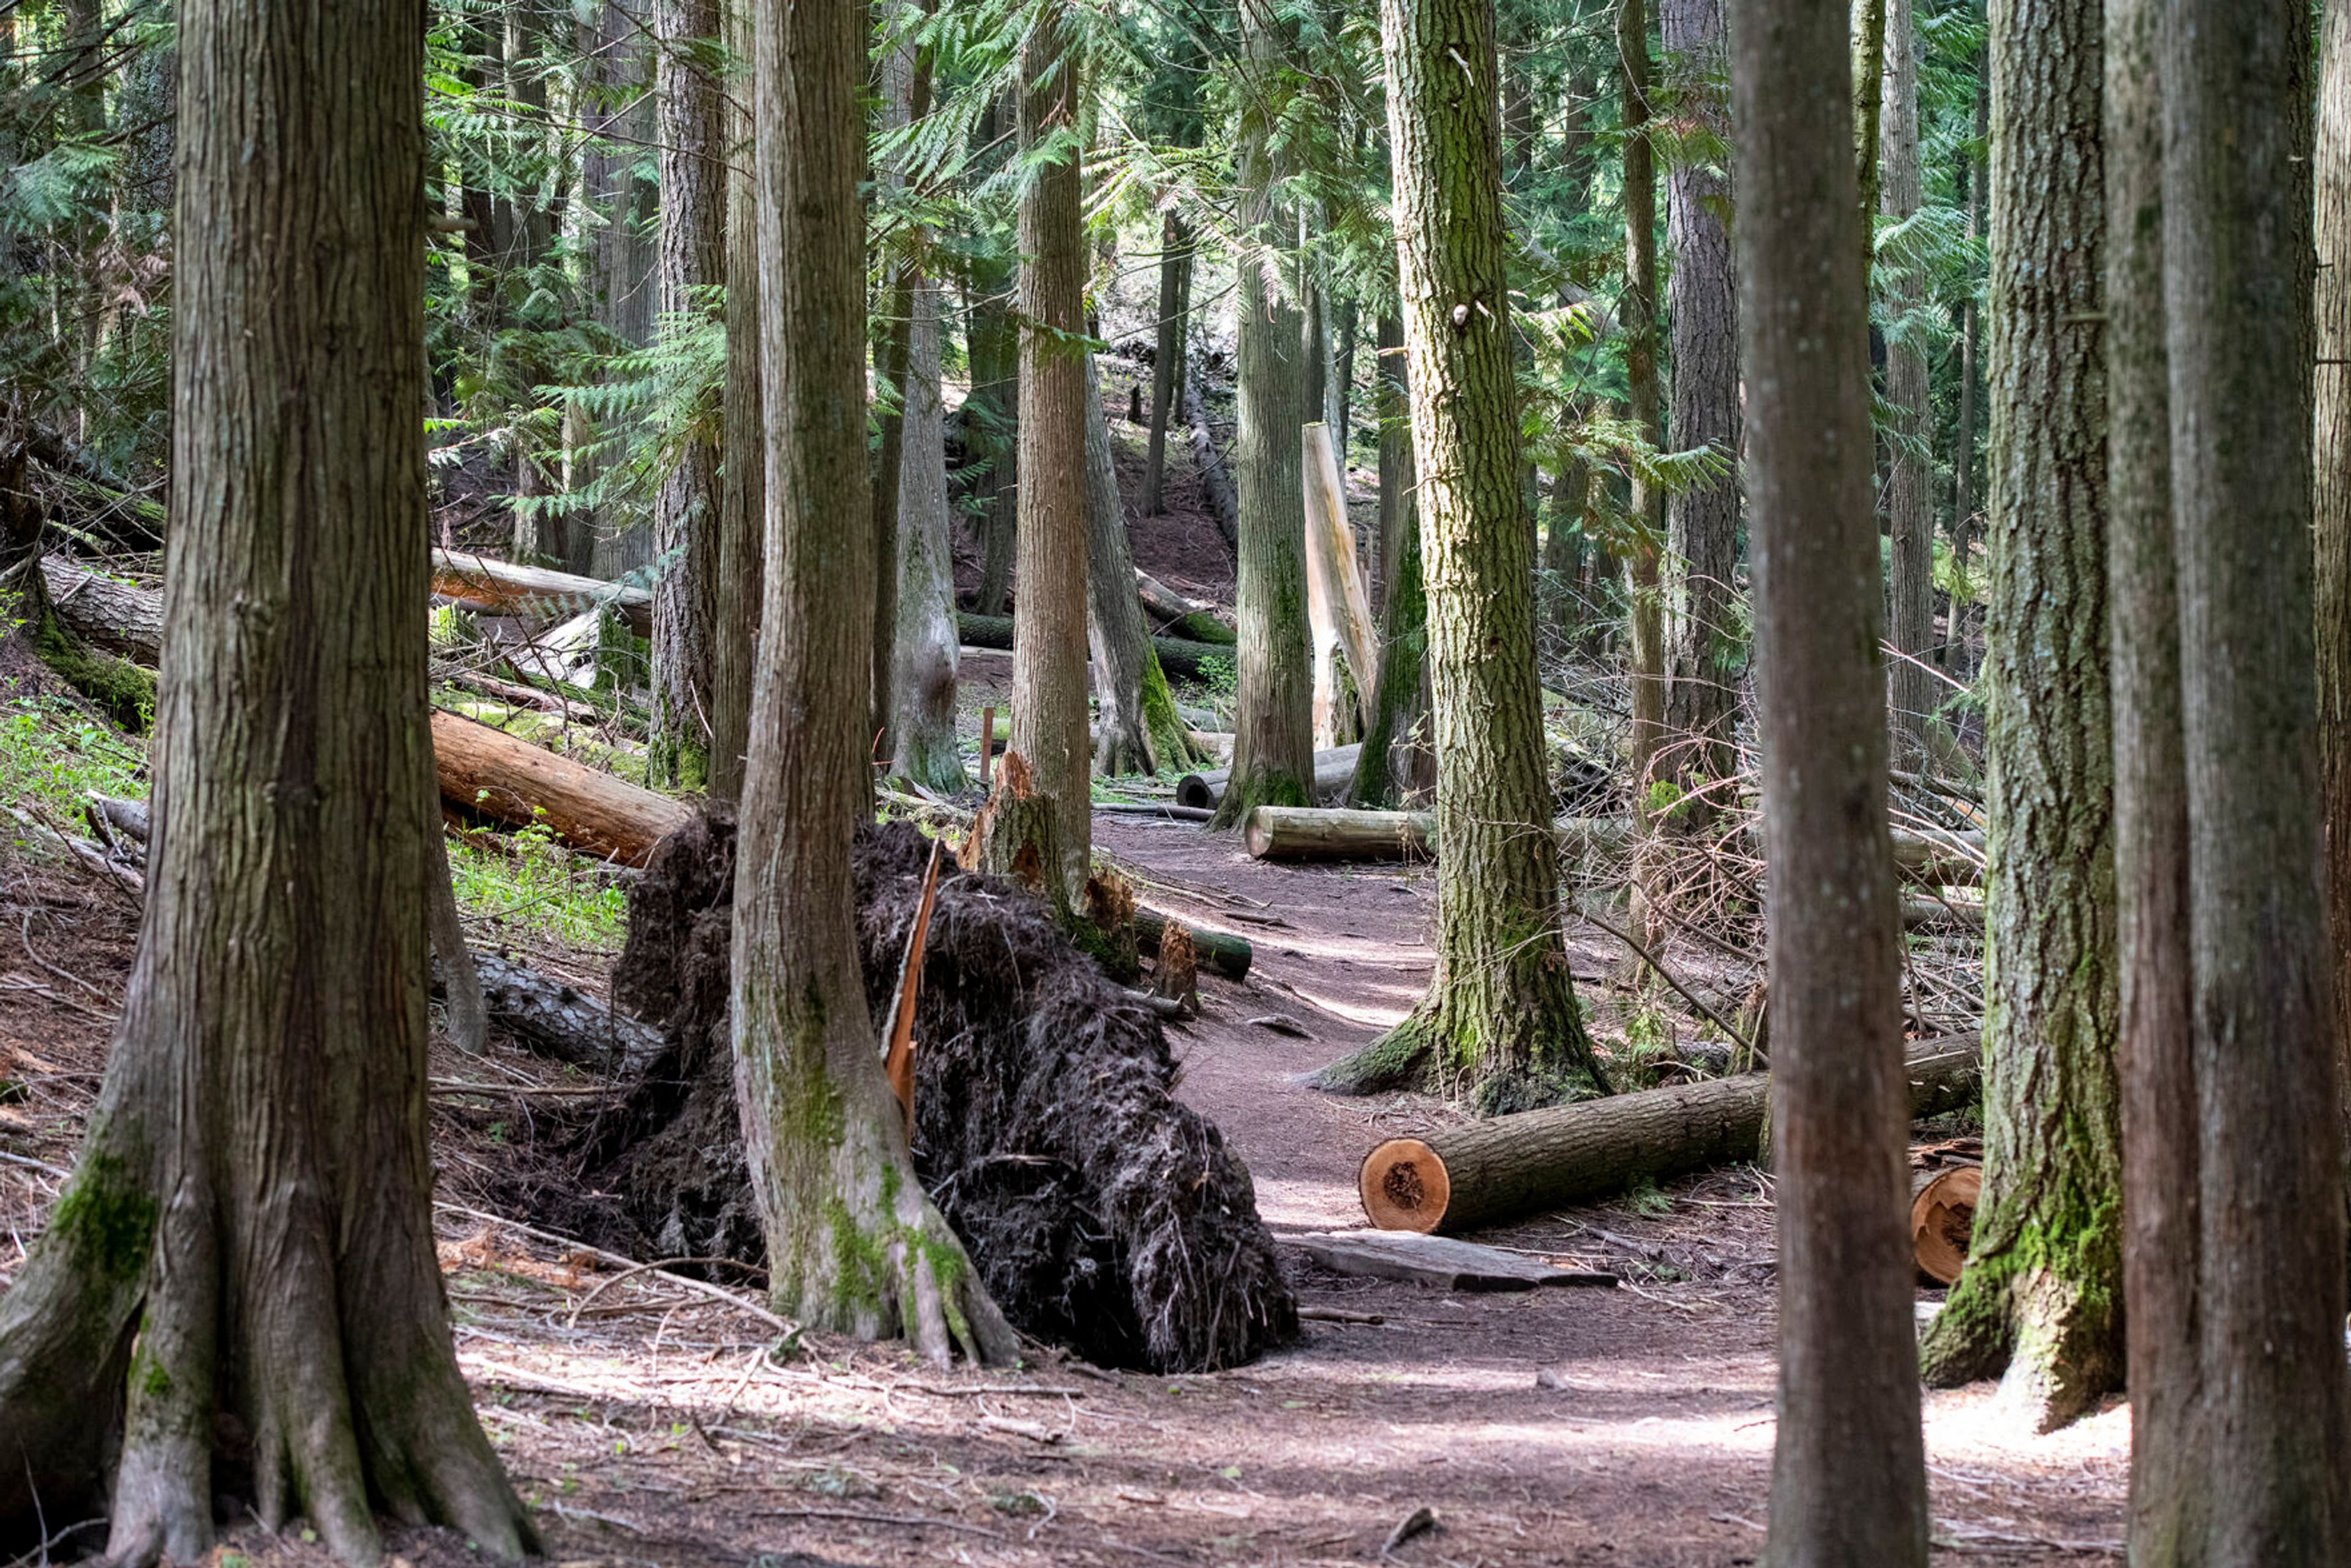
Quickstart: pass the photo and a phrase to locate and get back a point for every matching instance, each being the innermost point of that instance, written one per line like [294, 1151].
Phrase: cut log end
[1942, 1218]
[1404, 1186]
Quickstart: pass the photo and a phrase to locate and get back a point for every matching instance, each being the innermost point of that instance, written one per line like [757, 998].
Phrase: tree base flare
[1438, 1051]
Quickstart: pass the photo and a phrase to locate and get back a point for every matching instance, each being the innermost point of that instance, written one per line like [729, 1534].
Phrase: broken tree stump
[519, 783]
[1489, 1172]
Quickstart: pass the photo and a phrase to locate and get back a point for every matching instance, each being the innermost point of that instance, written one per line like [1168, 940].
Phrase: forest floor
[646, 1421]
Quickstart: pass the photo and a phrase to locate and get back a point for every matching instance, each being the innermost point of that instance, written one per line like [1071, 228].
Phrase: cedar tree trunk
[1502, 1018]
[1637, 305]
[854, 1244]
[2274, 1402]
[1273, 723]
[2041, 1295]
[1909, 484]
[242, 1268]
[739, 587]
[687, 511]
[1848, 1470]
[922, 712]
[1167, 361]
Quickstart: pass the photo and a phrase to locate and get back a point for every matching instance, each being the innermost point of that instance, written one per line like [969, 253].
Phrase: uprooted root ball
[1103, 1214]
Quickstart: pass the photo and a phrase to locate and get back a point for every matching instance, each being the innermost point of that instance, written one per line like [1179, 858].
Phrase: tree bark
[1273, 725]
[2331, 499]
[1701, 524]
[1049, 647]
[1121, 643]
[1167, 361]
[1959, 636]
[2042, 1296]
[486, 770]
[1502, 1018]
[923, 713]
[2154, 1044]
[995, 350]
[687, 507]
[1868, 112]
[854, 1244]
[1636, 309]
[739, 586]
[1208, 461]
[1392, 405]
[1848, 1474]
[1909, 484]
[1400, 699]
[248, 1232]
[2237, 290]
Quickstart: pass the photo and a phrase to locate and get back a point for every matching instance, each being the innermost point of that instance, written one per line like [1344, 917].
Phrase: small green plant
[1648, 1200]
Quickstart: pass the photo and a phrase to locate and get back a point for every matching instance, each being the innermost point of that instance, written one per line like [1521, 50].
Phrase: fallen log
[1299, 833]
[1489, 1172]
[1178, 657]
[555, 1018]
[1215, 485]
[1334, 766]
[1942, 914]
[120, 617]
[519, 783]
[1438, 1261]
[1212, 950]
[1178, 613]
[1942, 1220]
[503, 587]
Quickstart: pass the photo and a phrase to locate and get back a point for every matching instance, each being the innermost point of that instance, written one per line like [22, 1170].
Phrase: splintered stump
[1943, 1219]
[1493, 1171]
[1102, 1213]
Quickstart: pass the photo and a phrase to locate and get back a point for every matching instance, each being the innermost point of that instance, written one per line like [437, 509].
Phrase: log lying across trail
[120, 617]
[1333, 767]
[514, 781]
[1178, 657]
[502, 587]
[1490, 1172]
[1300, 832]
[1214, 951]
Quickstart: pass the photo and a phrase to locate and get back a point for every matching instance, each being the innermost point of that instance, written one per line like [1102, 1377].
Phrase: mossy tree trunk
[739, 588]
[1273, 723]
[1848, 1470]
[1392, 406]
[246, 1245]
[853, 1243]
[2274, 1418]
[687, 510]
[2042, 1296]
[1909, 482]
[2155, 1041]
[1049, 630]
[1701, 523]
[1501, 1020]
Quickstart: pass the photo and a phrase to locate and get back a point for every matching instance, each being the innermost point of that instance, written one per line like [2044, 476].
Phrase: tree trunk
[905, 83]
[1868, 43]
[995, 351]
[1122, 659]
[1500, 1019]
[1909, 484]
[1958, 659]
[1208, 461]
[621, 262]
[1273, 725]
[687, 511]
[739, 580]
[2237, 289]
[1848, 1473]
[247, 1243]
[1167, 361]
[854, 1244]
[923, 713]
[1392, 406]
[1049, 648]
[2042, 1296]
[2154, 1044]
[2332, 498]
[1398, 701]
[1636, 307]
[1701, 524]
